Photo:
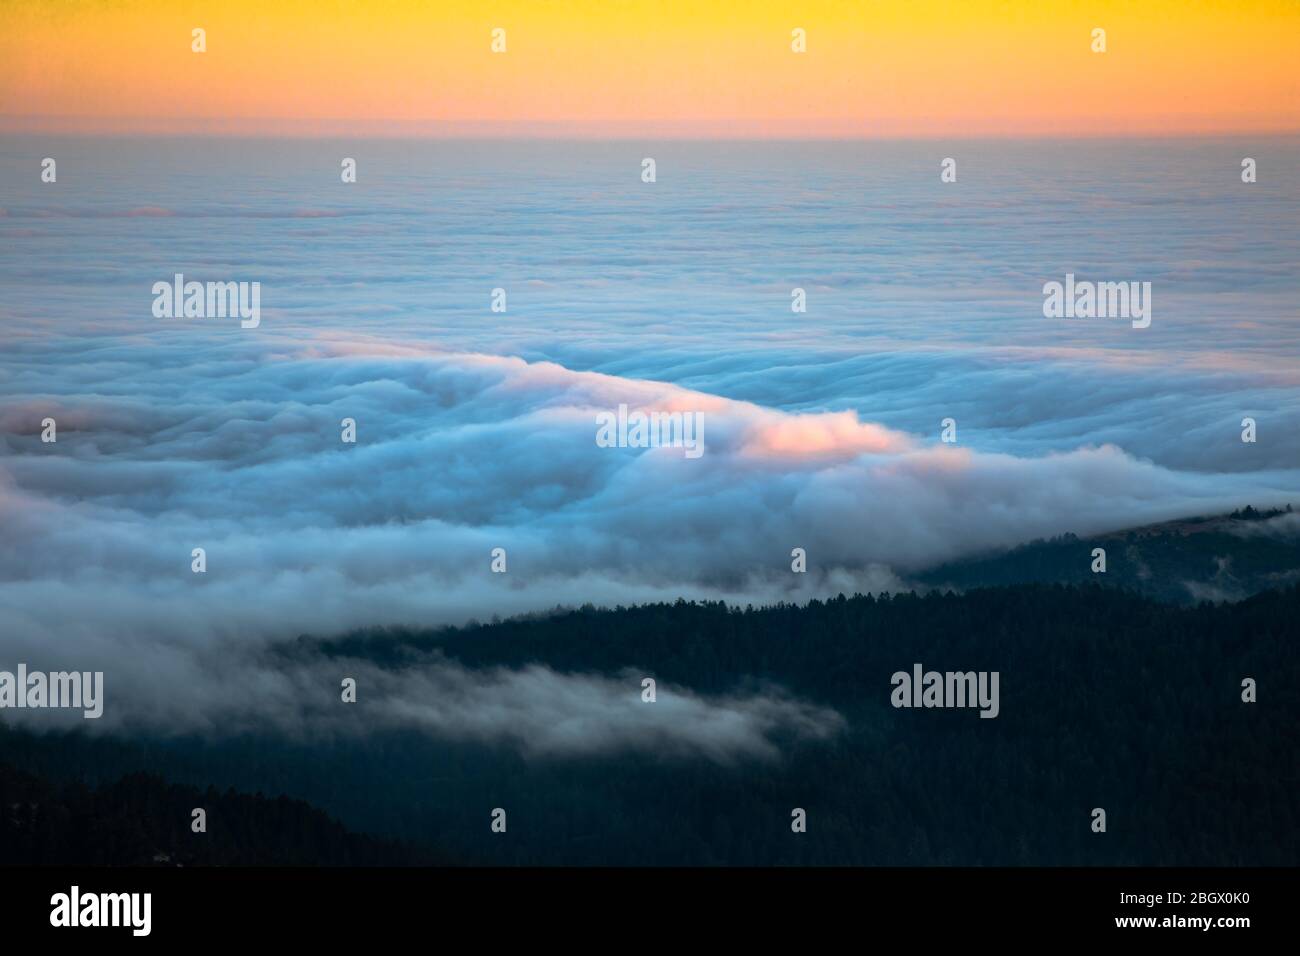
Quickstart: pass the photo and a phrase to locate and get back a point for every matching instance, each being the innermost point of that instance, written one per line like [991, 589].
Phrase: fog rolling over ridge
[476, 430]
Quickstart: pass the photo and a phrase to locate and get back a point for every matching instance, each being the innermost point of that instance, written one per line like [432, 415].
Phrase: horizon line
[747, 130]
[107, 136]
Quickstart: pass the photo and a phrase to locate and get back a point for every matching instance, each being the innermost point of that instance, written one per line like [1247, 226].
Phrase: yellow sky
[662, 67]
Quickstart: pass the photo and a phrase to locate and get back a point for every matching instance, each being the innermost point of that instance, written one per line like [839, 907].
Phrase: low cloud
[458, 454]
[538, 711]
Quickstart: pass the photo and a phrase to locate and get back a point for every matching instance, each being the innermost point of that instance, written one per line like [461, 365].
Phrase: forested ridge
[1108, 699]
[141, 820]
[1217, 558]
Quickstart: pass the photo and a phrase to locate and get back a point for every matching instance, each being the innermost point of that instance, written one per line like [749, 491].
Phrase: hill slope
[1107, 699]
[1222, 558]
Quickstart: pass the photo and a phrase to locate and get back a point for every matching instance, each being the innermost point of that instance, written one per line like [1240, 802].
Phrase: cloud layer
[456, 455]
[476, 430]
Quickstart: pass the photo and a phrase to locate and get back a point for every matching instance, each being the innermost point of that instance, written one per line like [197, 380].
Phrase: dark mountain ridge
[1117, 690]
[1216, 558]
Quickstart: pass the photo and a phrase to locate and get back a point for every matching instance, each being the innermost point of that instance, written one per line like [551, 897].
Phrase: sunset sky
[658, 67]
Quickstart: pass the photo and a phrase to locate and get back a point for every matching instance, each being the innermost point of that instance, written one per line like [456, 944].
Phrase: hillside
[143, 821]
[1107, 699]
[1219, 558]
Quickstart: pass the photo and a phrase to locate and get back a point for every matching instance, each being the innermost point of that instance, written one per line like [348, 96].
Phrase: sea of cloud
[477, 430]
[458, 454]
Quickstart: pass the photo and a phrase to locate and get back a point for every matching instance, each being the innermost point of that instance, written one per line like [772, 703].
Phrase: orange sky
[660, 67]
